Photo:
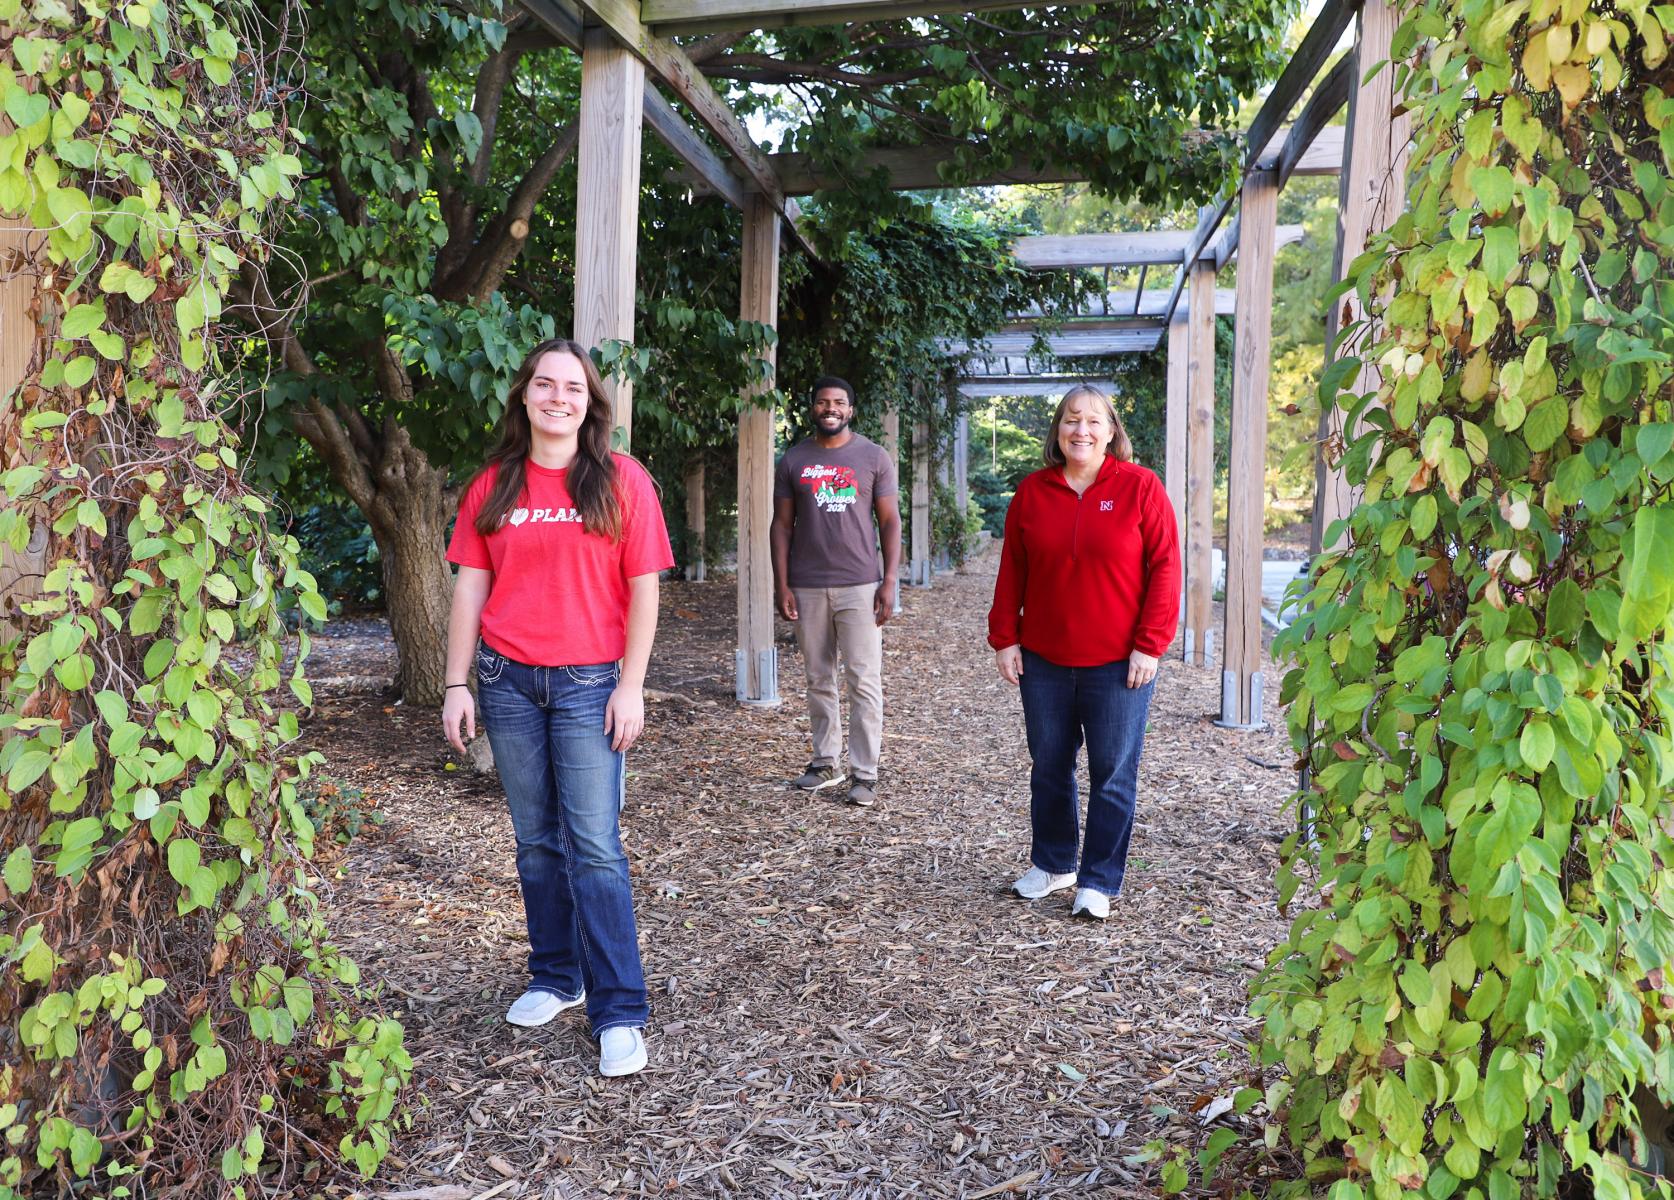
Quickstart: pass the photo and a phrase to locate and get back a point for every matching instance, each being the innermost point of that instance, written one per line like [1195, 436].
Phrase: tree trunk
[418, 588]
[409, 518]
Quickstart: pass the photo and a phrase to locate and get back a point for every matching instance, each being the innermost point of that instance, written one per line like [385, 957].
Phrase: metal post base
[767, 672]
[1190, 638]
[1229, 702]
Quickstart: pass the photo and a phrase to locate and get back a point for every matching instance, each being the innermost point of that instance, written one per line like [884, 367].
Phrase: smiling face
[1085, 431]
[832, 411]
[556, 398]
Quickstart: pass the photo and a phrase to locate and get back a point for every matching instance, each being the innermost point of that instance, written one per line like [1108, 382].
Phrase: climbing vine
[1479, 1004]
[174, 1017]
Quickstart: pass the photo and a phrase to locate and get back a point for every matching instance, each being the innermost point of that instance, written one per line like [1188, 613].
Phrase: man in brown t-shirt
[831, 581]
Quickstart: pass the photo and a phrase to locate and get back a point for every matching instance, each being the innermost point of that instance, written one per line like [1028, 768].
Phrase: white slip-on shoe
[1036, 883]
[1090, 903]
[621, 1051]
[537, 1006]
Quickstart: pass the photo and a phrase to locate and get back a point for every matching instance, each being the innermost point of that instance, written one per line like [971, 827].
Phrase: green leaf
[184, 861]
[1654, 441]
[18, 872]
[1537, 744]
[1499, 254]
[83, 319]
[1565, 610]
[1546, 423]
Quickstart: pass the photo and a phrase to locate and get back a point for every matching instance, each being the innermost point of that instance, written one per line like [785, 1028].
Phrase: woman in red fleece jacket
[1086, 602]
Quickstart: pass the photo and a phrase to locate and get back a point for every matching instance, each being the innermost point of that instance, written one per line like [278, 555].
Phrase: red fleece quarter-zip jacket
[1086, 580]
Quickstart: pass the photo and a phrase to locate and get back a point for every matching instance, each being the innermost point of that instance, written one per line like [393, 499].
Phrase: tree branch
[481, 272]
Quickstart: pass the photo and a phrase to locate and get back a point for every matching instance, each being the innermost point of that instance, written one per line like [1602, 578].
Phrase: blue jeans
[563, 783]
[1062, 706]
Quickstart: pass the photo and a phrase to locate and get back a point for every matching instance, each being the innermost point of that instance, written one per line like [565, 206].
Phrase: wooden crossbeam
[671, 17]
[1100, 249]
[1317, 45]
[918, 168]
[1079, 344]
[1026, 385]
[681, 138]
[1151, 248]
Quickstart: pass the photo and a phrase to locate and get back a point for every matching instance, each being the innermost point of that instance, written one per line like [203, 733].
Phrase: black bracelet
[451, 686]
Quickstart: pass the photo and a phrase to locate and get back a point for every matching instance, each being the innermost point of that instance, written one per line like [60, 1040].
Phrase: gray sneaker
[863, 793]
[816, 778]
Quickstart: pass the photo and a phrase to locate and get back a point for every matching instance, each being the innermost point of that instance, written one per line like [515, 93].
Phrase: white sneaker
[538, 1006]
[1036, 883]
[1091, 903]
[621, 1051]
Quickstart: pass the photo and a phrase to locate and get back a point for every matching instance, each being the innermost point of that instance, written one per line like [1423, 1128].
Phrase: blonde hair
[1120, 448]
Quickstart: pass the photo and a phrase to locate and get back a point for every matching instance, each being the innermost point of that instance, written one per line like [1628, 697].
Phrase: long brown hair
[1120, 448]
[592, 476]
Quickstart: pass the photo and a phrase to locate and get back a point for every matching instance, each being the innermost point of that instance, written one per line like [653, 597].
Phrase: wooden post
[892, 447]
[962, 463]
[20, 573]
[757, 661]
[1174, 435]
[918, 565]
[607, 203]
[695, 505]
[1200, 462]
[1246, 481]
[941, 554]
[1372, 193]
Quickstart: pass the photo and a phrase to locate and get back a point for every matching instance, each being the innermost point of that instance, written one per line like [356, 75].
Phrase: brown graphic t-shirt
[836, 541]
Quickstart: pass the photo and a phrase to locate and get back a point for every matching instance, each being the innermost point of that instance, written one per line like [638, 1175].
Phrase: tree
[1478, 1002]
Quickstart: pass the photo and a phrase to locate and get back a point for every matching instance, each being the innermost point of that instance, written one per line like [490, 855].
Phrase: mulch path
[845, 1002]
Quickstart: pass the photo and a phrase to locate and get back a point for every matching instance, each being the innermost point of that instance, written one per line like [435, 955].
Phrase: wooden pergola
[631, 68]
[629, 59]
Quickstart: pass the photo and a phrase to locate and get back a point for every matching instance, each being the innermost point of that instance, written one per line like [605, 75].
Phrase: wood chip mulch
[846, 1002]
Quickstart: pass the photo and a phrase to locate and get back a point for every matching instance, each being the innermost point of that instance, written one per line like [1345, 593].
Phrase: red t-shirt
[1087, 580]
[560, 594]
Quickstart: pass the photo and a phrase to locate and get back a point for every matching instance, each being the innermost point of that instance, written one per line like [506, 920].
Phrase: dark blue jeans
[564, 785]
[1062, 707]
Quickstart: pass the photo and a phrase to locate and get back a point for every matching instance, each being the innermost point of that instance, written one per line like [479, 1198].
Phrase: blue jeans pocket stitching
[490, 665]
[592, 680]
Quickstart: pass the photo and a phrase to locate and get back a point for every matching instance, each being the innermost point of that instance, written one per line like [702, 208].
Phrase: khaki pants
[833, 621]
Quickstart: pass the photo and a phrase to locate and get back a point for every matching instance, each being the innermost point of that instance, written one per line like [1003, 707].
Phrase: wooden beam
[1051, 253]
[1371, 198]
[891, 444]
[673, 17]
[1024, 386]
[681, 138]
[962, 463]
[918, 168]
[696, 507]
[1174, 435]
[757, 662]
[1241, 680]
[670, 64]
[918, 561]
[607, 204]
[1200, 464]
[20, 251]
[1317, 46]
[1311, 141]
[1069, 344]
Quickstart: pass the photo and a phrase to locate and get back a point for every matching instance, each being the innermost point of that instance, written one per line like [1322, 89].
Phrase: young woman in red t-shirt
[558, 544]
[1086, 602]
